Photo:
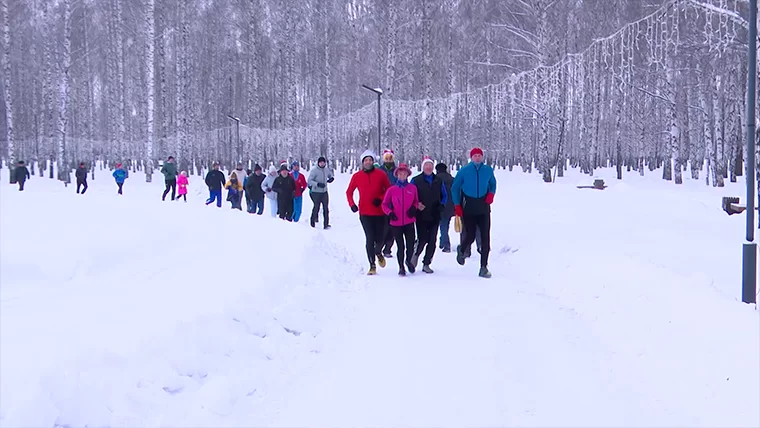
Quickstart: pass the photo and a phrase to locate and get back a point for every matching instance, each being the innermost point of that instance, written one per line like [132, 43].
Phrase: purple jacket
[398, 199]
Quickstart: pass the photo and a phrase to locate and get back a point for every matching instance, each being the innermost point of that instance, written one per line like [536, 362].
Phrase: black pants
[182, 196]
[120, 185]
[388, 237]
[427, 233]
[237, 201]
[374, 230]
[470, 224]
[285, 208]
[21, 185]
[322, 199]
[170, 185]
[81, 184]
[404, 236]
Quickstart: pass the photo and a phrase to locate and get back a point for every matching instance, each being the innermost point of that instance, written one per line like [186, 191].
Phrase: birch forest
[635, 85]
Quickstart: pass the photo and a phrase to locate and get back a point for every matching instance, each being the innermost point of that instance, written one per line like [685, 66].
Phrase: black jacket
[21, 173]
[215, 180]
[253, 187]
[81, 174]
[448, 209]
[430, 197]
[285, 188]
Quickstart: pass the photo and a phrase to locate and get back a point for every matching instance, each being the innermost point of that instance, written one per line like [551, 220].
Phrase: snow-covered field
[606, 308]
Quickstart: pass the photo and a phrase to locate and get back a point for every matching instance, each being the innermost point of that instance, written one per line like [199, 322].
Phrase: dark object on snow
[732, 206]
[598, 184]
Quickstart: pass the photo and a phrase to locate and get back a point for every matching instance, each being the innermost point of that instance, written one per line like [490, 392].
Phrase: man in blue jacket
[473, 191]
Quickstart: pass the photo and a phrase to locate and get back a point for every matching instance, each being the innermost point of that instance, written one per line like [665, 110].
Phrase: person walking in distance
[235, 191]
[81, 175]
[389, 168]
[319, 178]
[215, 181]
[432, 198]
[120, 175]
[267, 186]
[372, 184]
[254, 192]
[473, 192]
[442, 173]
[300, 180]
[170, 177]
[21, 174]
[400, 205]
[285, 187]
[182, 183]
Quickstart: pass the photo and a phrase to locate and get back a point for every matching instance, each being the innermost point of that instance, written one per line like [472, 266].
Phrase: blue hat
[295, 163]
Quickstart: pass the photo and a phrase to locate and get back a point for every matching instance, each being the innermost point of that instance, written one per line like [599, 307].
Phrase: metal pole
[237, 132]
[379, 145]
[749, 249]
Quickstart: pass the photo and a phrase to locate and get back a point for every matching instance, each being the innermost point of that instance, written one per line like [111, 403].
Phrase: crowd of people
[393, 206]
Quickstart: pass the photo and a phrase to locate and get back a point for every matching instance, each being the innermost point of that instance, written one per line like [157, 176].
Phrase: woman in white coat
[266, 186]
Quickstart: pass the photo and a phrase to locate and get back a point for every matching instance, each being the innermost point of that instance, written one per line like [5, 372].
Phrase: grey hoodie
[319, 175]
[269, 182]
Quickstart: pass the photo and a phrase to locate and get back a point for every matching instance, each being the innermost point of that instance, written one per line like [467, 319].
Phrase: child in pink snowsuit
[182, 183]
[400, 205]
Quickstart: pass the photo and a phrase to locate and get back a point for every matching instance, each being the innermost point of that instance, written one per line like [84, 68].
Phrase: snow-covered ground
[606, 308]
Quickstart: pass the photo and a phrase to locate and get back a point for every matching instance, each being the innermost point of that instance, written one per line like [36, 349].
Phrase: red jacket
[372, 186]
[300, 183]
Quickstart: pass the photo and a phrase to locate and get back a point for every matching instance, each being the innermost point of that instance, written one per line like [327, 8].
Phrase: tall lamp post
[749, 249]
[237, 136]
[379, 93]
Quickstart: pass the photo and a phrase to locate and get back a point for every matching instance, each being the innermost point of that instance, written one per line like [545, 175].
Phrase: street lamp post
[237, 136]
[749, 249]
[379, 93]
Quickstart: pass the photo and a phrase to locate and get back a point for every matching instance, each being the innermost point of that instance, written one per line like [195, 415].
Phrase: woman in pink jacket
[400, 205]
[182, 183]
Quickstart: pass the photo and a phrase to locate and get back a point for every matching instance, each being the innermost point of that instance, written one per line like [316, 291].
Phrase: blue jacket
[390, 172]
[474, 181]
[120, 175]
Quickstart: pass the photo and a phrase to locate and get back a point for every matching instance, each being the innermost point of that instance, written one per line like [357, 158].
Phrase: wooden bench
[598, 185]
[732, 206]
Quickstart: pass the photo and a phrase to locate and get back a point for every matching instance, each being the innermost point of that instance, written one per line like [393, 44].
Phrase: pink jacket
[398, 199]
[182, 184]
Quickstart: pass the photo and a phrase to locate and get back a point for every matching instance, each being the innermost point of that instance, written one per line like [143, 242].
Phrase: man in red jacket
[372, 184]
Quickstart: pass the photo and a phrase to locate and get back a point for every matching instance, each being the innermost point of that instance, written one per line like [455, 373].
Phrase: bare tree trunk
[150, 85]
[7, 93]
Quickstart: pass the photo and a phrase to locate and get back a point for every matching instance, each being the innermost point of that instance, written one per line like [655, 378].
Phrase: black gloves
[354, 208]
[377, 202]
[330, 180]
[321, 185]
[412, 212]
[393, 216]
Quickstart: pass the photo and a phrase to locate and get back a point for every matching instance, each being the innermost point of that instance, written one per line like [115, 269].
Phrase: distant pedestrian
[235, 191]
[182, 183]
[300, 180]
[253, 192]
[400, 205]
[442, 172]
[319, 178]
[170, 177]
[120, 174]
[215, 181]
[285, 186]
[81, 175]
[268, 187]
[21, 174]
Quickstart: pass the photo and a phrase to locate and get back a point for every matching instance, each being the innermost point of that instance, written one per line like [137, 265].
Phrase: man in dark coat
[170, 177]
[433, 198]
[21, 174]
[285, 186]
[81, 175]
[253, 192]
[442, 173]
[215, 181]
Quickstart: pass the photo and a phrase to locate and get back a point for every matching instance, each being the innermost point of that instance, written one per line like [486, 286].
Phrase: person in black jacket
[20, 174]
[215, 181]
[442, 173]
[285, 186]
[253, 192]
[81, 175]
[433, 198]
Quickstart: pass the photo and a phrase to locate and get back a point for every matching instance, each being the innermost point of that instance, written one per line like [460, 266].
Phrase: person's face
[216, 167]
[321, 164]
[427, 168]
[258, 172]
[477, 158]
[368, 162]
[402, 175]
[283, 173]
[296, 168]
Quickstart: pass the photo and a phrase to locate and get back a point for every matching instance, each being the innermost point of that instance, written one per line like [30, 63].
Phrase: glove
[321, 185]
[412, 212]
[393, 216]
[377, 202]
[331, 179]
[458, 211]
[354, 208]
[489, 198]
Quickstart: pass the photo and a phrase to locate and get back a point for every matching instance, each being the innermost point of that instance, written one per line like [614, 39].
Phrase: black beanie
[441, 167]
[321, 159]
[283, 167]
[257, 167]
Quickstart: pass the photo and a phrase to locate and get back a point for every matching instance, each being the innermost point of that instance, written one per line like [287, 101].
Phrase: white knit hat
[427, 159]
[369, 153]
